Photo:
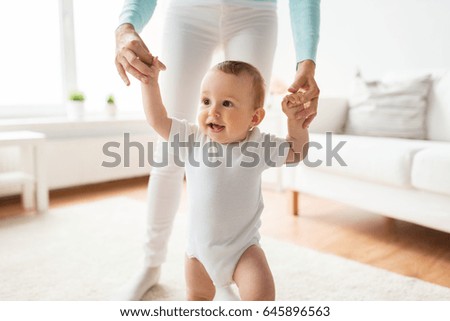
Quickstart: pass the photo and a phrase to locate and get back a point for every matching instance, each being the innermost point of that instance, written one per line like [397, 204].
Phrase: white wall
[375, 35]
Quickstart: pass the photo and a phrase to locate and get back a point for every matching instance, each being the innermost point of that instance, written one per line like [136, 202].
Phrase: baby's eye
[205, 101]
[227, 103]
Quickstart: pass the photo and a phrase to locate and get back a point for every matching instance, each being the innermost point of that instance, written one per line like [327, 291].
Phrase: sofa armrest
[331, 116]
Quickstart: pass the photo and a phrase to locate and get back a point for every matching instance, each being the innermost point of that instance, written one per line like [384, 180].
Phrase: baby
[224, 179]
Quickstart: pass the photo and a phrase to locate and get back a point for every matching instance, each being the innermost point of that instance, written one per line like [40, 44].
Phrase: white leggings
[246, 31]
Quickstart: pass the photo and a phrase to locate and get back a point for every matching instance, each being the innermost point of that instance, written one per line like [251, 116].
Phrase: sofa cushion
[381, 160]
[431, 170]
[393, 108]
[438, 109]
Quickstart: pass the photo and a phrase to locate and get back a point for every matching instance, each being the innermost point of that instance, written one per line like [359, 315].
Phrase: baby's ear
[258, 116]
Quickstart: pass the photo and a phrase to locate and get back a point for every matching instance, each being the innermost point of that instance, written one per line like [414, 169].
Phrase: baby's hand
[155, 68]
[292, 105]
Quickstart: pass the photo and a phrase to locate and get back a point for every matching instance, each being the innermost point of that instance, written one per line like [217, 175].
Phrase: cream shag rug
[89, 251]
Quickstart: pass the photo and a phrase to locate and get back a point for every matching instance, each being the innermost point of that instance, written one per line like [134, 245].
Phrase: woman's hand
[132, 55]
[304, 82]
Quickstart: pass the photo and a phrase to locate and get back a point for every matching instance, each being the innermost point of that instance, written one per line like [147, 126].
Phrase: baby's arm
[297, 135]
[153, 106]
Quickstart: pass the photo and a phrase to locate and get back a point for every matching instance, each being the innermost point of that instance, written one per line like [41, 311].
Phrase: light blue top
[305, 22]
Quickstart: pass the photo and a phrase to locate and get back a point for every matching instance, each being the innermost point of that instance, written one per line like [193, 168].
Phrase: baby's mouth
[215, 127]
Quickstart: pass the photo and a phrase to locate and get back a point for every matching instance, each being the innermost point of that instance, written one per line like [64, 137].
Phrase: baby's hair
[238, 67]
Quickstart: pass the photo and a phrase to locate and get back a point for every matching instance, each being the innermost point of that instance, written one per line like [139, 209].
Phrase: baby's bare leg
[199, 286]
[253, 276]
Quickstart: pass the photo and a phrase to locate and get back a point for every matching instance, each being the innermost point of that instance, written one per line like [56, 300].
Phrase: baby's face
[227, 106]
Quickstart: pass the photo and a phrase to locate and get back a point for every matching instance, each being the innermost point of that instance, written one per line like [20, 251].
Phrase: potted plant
[111, 107]
[75, 105]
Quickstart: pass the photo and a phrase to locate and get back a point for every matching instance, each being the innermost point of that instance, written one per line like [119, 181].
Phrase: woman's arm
[137, 13]
[305, 24]
[132, 55]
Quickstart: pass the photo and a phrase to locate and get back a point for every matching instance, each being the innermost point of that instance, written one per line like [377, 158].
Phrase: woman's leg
[190, 37]
[249, 34]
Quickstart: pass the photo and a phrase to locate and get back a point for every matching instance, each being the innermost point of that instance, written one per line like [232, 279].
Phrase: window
[30, 78]
[95, 22]
[46, 54]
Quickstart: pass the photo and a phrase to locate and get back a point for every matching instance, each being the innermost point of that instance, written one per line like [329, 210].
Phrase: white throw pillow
[391, 108]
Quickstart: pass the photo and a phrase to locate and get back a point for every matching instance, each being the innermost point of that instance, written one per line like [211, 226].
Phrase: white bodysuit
[225, 200]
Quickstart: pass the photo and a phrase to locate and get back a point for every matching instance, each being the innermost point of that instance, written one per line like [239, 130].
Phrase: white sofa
[404, 179]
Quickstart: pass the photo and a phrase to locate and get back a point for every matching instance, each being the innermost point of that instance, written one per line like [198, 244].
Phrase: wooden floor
[323, 225]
